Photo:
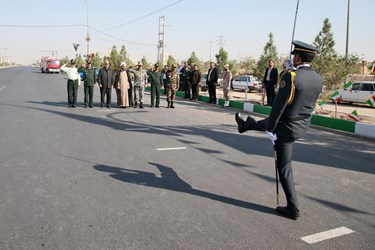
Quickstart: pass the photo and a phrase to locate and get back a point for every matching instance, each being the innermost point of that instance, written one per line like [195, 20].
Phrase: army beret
[303, 47]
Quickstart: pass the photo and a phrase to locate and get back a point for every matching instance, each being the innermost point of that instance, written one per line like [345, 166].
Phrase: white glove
[272, 137]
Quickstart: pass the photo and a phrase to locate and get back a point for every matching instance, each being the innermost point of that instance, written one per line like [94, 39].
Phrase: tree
[248, 65]
[269, 53]
[144, 62]
[114, 58]
[193, 59]
[221, 59]
[97, 61]
[171, 61]
[123, 56]
[326, 55]
[333, 68]
[79, 60]
[64, 60]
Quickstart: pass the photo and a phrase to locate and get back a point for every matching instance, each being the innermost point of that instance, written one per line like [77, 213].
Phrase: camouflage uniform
[172, 86]
[140, 79]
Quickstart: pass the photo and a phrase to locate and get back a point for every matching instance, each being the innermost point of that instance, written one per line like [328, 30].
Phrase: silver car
[247, 83]
[359, 93]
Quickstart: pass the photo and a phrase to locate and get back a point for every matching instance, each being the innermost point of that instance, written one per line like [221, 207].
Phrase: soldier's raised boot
[243, 125]
[172, 105]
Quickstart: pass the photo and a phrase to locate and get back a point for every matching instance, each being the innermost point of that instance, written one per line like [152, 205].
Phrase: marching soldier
[289, 119]
[172, 86]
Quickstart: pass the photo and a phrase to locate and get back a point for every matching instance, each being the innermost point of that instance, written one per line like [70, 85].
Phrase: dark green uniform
[89, 79]
[156, 79]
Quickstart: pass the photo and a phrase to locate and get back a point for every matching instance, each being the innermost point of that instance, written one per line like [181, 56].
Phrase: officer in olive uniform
[89, 78]
[290, 118]
[172, 86]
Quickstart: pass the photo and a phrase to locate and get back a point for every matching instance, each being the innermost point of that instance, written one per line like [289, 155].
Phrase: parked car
[203, 83]
[360, 92]
[247, 83]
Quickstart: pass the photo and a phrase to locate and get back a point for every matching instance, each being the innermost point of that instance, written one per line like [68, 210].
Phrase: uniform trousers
[284, 151]
[89, 93]
[155, 94]
[72, 87]
[138, 93]
[171, 95]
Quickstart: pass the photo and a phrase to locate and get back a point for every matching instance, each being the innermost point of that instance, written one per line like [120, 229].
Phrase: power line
[41, 26]
[139, 18]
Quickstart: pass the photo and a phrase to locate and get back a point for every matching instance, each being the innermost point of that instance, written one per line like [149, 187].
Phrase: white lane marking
[3, 87]
[136, 129]
[333, 233]
[163, 149]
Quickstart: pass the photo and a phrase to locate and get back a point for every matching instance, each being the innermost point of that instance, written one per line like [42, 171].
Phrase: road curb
[332, 124]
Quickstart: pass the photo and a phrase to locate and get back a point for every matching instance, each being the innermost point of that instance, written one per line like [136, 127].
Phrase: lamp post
[88, 35]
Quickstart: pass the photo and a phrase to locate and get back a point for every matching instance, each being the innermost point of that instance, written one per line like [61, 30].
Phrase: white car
[246, 83]
[360, 92]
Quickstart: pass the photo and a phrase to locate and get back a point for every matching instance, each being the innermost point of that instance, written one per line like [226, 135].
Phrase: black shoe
[172, 107]
[240, 122]
[108, 106]
[157, 106]
[141, 105]
[90, 106]
[288, 212]
[73, 106]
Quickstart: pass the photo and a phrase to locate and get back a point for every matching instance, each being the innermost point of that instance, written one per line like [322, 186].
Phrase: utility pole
[221, 41]
[347, 31]
[88, 36]
[161, 43]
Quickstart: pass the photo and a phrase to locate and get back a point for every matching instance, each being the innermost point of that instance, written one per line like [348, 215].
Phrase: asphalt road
[165, 179]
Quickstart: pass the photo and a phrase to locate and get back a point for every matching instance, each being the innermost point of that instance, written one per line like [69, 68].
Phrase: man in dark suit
[290, 118]
[105, 80]
[270, 80]
[211, 80]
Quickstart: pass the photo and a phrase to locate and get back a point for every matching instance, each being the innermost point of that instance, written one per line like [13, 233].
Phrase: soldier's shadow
[169, 180]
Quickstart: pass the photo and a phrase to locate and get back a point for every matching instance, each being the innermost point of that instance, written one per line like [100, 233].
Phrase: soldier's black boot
[140, 105]
[135, 105]
[172, 105]
[249, 124]
[169, 103]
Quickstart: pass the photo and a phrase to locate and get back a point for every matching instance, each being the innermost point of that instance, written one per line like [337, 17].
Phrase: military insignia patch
[282, 84]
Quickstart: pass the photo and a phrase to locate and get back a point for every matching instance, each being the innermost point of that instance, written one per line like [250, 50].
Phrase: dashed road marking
[164, 149]
[326, 235]
[3, 87]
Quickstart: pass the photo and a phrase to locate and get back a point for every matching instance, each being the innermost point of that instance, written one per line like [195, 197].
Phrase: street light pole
[88, 35]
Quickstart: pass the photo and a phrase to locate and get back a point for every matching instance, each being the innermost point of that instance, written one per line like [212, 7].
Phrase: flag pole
[294, 29]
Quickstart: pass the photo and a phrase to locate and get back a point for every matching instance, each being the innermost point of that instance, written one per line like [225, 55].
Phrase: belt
[294, 118]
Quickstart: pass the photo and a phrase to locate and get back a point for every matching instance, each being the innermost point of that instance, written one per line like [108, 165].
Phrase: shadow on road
[169, 180]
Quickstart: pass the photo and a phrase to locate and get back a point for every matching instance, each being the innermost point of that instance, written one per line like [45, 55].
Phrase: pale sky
[191, 25]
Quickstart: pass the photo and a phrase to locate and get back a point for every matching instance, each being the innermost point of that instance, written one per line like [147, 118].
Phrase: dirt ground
[366, 113]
